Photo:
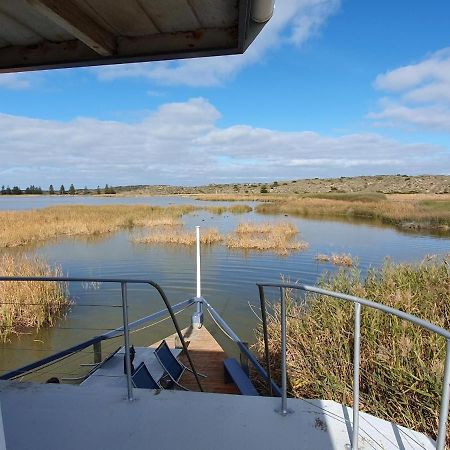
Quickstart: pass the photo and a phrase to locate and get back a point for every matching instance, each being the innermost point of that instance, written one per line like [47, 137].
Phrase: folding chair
[143, 379]
[171, 365]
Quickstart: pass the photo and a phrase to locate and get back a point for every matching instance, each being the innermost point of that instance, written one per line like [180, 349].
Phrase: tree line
[37, 190]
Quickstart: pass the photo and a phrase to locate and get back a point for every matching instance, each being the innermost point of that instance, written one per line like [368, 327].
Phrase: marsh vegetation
[401, 364]
[29, 304]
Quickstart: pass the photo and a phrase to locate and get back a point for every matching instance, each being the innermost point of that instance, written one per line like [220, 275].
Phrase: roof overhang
[47, 34]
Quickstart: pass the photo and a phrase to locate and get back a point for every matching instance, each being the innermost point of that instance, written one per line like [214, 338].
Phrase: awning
[45, 34]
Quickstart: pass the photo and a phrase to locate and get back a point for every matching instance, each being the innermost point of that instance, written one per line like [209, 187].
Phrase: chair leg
[198, 373]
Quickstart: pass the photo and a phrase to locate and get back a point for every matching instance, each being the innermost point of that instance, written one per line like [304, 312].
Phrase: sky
[329, 88]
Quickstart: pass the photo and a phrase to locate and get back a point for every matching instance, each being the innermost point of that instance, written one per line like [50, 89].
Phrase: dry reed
[338, 260]
[277, 237]
[25, 227]
[401, 364]
[178, 236]
[27, 304]
[407, 212]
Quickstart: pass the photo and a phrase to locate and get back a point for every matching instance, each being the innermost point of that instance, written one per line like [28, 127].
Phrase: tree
[62, 190]
[85, 190]
[16, 190]
[8, 190]
[98, 190]
[263, 189]
[3, 190]
[72, 189]
[51, 190]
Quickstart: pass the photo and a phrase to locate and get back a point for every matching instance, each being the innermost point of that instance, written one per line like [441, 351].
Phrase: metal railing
[358, 302]
[243, 349]
[125, 329]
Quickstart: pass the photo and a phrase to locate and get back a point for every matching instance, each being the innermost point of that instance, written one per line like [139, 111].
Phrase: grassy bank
[402, 211]
[25, 227]
[24, 305]
[401, 364]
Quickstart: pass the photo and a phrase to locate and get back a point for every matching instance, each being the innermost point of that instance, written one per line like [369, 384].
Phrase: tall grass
[178, 236]
[404, 212]
[25, 227]
[277, 237]
[26, 304]
[401, 364]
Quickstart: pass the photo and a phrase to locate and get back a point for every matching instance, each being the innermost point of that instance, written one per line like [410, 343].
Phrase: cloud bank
[180, 143]
[418, 94]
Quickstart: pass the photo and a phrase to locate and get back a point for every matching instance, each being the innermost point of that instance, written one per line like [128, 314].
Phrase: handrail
[82, 345]
[358, 301]
[242, 347]
[124, 284]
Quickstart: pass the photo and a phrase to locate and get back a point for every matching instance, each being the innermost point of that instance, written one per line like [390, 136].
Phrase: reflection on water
[229, 277]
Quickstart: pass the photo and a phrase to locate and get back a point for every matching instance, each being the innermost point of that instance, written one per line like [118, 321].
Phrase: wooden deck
[207, 356]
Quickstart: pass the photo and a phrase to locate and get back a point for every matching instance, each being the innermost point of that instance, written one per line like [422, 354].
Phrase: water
[228, 276]
[22, 202]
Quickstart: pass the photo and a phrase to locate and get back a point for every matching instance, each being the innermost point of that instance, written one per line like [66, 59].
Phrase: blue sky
[330, 88]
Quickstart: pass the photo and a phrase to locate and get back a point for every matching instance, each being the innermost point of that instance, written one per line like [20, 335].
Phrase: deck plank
[208, 357]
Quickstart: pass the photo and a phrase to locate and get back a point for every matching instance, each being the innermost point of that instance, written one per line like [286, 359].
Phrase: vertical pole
[97, 352]
[126, 335]
[197, 318]
[265, 334]
[356, 360]
[199, 285]
[284, 409]
[443, 414]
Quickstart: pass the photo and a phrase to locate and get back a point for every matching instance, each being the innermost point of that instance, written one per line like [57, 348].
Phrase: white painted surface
[63, 417]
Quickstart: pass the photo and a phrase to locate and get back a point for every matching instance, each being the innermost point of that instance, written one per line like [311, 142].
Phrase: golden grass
[239, 209]
[407, 212]
[27, 304]
[401, 364]
[25, 227]
[178, 236]
[277, 237]
[237, 197]
[336, 259]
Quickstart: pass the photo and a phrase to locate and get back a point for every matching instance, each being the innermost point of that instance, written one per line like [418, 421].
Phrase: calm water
[228, 277]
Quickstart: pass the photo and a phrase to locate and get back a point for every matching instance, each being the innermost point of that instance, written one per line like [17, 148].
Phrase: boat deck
[207, 356]
[64, 417]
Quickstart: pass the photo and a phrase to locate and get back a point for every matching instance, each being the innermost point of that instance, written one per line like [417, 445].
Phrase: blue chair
[173, 368]
[143, 379]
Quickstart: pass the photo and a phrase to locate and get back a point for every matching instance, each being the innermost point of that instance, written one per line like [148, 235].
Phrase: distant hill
[386, 184]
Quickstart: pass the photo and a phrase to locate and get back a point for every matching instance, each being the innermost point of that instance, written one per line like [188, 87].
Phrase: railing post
[97, 352]
[126, 335]
[265, 335]
[443, 414]
[197, 318]
[356, 360]
[284, 409]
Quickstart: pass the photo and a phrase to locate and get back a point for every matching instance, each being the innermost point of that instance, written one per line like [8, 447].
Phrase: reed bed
[401, 364]
[336, 259]
[277, 237]
[408, 212]
[28, 227]
[27, 304]
[178, 236]
[239, 209]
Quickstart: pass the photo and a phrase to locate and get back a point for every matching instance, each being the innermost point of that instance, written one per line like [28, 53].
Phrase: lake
[228, 276]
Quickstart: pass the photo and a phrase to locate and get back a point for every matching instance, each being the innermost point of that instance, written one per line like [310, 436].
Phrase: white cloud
[16, 81]
[180, 143]
[419, 94]
[294, 22]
